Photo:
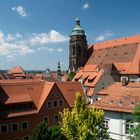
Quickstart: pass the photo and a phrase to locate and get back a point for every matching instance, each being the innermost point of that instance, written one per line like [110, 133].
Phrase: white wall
[103, 82]
[116, 124]
[134, 78]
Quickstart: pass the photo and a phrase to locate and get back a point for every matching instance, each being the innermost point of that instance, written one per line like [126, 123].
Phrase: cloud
[49, 49]
[20, 10]
[85, 6]
[18, 35]
[10, 37]
[14, 45]
[10, 47]
[104, 36]
[59, 49]
[45, 38]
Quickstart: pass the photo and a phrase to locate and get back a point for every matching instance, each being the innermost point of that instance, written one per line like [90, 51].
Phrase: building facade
[118, 102]
[26, 103]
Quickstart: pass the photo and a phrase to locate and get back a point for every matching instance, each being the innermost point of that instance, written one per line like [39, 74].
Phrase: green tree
[83, 123]
[135, 132]
[71, 75]
[43, 132]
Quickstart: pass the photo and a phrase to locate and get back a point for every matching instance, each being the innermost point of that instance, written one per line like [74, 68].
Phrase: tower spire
[77, 47]
[77, 21]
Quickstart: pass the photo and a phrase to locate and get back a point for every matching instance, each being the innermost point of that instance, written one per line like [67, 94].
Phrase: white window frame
[22, 125]
[12, 127]
[1, 128]
[129, 127]
[106, 123]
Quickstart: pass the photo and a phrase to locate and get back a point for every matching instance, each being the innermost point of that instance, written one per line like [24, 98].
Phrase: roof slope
[120, 98]
[19, 91]
[45, 92]
[69, 90]
[16, 69]
[118, 52]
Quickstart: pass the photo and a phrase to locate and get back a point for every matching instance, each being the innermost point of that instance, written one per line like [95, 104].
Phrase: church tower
[77, 48]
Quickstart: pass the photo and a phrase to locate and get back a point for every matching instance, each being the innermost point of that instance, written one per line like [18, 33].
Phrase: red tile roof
[117, 42]
[122, 52]
[19, 91]
[120, 98]
[16, 69]
[36, 92]
[69, 90]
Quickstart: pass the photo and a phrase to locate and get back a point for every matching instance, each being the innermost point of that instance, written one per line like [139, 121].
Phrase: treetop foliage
[82, 122]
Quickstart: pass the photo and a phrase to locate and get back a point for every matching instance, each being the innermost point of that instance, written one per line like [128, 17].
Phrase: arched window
[73, 63]
[79, 50]
[73, 50]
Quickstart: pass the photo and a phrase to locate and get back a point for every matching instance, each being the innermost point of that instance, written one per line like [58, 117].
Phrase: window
[25, 138]
[106, 123]
[15, 126]
[55, 118]
[74, 50]
[19, 107]
[115, 54]
[55, 94]
[73, 63]
[60, 103]
[55, 103]
[46, 119]
[24, 125]
[79, 50]
[4, 128]
[49, 104]
[128, 126]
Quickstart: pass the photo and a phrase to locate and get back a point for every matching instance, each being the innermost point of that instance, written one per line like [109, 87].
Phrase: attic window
[132, 103]
[124, 44]
[111, 101]
[115, 54]
[120, 102]
[125, 53]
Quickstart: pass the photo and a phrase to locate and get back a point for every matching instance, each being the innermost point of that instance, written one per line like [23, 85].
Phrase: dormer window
[132, 103]
[115, 54]
[125, 53]
[120, 102]
[111, 101]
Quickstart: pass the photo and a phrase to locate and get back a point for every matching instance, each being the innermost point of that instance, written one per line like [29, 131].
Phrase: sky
[34, 34]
